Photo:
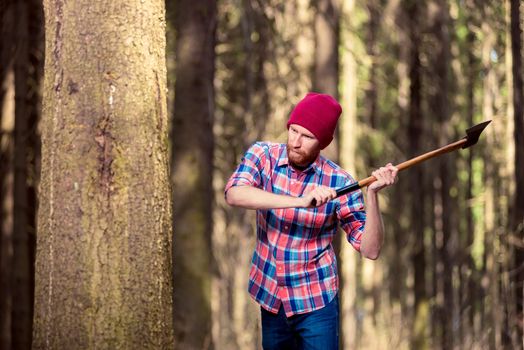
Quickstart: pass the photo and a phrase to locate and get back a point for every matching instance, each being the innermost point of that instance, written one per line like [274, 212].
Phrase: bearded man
[292, 186]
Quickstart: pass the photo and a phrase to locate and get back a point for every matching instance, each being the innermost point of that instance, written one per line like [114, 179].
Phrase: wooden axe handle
[408, 163]
[404, 165]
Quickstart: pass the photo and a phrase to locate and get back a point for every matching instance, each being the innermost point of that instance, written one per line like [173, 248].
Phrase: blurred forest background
[411, 76]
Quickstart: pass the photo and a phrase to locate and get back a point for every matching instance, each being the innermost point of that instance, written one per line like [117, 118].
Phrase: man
[294, 272]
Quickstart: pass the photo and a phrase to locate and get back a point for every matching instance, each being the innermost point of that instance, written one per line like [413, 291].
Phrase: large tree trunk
[192, 169]
[103, 264]
[518, 112]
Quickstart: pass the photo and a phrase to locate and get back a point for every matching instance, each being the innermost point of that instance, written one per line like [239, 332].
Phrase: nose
[296, 142]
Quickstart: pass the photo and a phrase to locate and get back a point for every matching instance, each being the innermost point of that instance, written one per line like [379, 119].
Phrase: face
[302, 146]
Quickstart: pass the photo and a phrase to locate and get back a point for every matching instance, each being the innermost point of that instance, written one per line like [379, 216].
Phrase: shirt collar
[284, 161]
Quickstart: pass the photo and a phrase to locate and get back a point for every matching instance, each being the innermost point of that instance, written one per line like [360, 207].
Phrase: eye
[308, 137]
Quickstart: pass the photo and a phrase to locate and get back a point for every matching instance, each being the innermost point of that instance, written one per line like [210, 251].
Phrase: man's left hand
[386, 176]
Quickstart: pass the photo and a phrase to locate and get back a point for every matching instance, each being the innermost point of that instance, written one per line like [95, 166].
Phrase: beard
[299, 159]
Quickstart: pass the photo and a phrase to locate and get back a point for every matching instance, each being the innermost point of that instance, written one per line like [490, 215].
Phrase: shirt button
[286, 227]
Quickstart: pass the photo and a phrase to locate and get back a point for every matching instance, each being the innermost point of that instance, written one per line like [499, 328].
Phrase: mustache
[295, 151]
[290, 148]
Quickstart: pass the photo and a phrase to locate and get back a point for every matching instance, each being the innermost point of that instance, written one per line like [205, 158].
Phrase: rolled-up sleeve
[250, 170]
[352, 217]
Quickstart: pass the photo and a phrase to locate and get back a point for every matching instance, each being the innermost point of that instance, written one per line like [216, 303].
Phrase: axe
[471, 138]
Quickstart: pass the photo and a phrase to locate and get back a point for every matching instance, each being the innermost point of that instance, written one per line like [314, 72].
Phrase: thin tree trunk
[7, 51]
[348, 262]
[192, 169]
[327, 27]
[469, 275]
[436, 274]
[22, 260]
[398, 291]
[27, 69]
[416, 181]
[7, 207]
[326, 64]
[22, 39]
[103, 264]
[491, 306]
[443, 180]
[372, 50]
[518, 115]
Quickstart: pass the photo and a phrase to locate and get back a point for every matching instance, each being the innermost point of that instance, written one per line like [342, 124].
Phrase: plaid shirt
[294, 262]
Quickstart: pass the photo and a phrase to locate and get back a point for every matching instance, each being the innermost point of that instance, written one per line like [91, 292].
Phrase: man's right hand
[321, 195]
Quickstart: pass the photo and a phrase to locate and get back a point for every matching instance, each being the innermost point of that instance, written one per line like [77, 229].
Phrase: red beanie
[319, 114]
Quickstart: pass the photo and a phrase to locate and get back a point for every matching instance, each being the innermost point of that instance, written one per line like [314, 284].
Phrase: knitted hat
[319, 114]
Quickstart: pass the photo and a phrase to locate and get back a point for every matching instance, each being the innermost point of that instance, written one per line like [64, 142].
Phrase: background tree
[7, 26]
[21, 61]
[518, 113]
[348, 125]
[415, 134]
[242, 114]
[28, 70]
[192, 170]
[326, 65]
[440, 109]
[103, 267]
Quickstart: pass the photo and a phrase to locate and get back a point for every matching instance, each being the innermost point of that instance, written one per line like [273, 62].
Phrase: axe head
[473, 133]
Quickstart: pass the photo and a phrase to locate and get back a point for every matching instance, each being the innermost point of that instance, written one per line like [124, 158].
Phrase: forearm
[250, 197]
[373, 235]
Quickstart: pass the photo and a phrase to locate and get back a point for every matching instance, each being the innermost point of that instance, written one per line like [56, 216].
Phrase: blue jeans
[316, 330]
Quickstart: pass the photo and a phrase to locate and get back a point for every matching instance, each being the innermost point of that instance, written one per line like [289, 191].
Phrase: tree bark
[103, 263]
[192, 170]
